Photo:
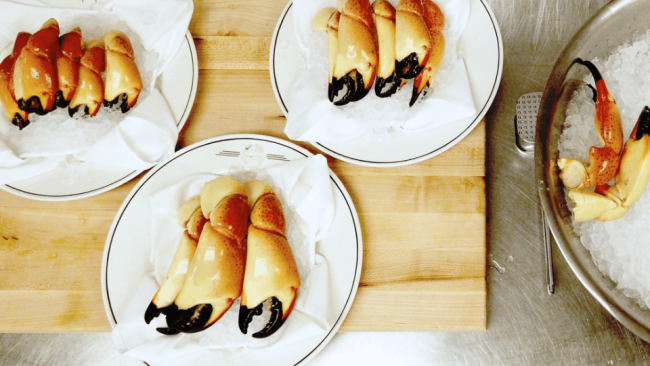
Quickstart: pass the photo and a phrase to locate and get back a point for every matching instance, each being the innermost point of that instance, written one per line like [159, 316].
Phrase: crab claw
[67, 65]
[356, 53]
[171, 286]
[412, 40]
[435, 21]
[35, 74]
[634, 172]
[271, 271]
[90, 90]
[17, 116]
[275, 322]
[123, 82]
[201, 288]
[383, 15]
[603, 161]
[216, 272]
[269, 254]
[611, 203]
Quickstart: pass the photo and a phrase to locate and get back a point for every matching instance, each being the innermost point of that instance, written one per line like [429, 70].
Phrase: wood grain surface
[423, 225]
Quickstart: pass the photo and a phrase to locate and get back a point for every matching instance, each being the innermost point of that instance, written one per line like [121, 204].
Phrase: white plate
[480, 46]
[126, 253]
[178, 86]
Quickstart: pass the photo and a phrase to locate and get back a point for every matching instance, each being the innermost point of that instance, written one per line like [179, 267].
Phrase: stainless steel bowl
[614, 24]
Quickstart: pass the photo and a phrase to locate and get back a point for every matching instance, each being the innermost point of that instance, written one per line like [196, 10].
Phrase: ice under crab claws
[246, 316]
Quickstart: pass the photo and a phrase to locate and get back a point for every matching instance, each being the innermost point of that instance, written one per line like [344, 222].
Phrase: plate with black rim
[481, 48]
[126, 258]
[178, 85]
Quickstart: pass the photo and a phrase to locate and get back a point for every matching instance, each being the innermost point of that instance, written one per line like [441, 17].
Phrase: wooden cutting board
[423, 225]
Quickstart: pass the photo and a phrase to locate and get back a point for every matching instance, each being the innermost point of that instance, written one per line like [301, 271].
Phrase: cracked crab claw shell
[572, 172]
[216, 190]
[590, 205]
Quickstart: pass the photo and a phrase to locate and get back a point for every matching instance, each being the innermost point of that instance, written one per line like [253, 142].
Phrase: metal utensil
[525, 121]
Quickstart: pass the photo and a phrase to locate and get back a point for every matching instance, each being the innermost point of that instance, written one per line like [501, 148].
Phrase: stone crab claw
[123, 82]
[611, 203]
[435, 21]
[17, 116]
[190, 217]
[356, 58]
[412, 40]
[35, 73]
[383, 14]
[215, 274]
[163, 300]
[67, 65]
[89, 93]
[603, 161]
[271, 271]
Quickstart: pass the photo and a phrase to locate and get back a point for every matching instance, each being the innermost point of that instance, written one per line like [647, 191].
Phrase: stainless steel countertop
[526, 326]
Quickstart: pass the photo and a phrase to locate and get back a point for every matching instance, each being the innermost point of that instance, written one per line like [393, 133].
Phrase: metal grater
[527, 106]
[525, 121]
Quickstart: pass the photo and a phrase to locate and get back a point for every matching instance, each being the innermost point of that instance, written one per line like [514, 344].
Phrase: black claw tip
[73, 111]
[360, 89]
[59, 100]
[276, 321]
[643, 125]
[409, 67]
[32, 105]
[18, 120]
[152, 312]
[246, 316]
[592, 68]
[415, 96]
[122, 101]
[392, 82]
[167, 331]
[191, 320]
[338, 86]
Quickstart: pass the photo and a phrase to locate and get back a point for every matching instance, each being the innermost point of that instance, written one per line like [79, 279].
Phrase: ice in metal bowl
[611, 27]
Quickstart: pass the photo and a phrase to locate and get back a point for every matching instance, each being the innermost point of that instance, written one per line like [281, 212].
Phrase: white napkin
[148, 132]
[305, 191]
[312, 117]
